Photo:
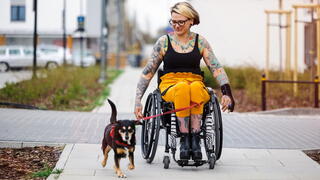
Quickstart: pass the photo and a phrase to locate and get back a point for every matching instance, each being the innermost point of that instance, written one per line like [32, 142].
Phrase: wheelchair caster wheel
[212, 162]
[166, 162]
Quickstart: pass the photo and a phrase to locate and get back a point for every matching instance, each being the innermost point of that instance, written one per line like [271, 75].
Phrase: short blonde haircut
[185, 9]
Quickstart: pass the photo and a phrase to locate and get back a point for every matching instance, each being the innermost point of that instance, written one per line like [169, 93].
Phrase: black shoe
[196, 148]
[184, 147]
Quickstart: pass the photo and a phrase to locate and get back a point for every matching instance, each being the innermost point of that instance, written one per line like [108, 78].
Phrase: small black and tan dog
[119, 135]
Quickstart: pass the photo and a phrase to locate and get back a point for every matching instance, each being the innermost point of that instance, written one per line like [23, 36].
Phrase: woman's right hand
[138, 111]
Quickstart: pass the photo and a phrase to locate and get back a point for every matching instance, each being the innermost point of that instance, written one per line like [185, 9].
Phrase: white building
[17, 22]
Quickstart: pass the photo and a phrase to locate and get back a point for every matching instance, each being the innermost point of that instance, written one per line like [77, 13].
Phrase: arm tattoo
[141, 89]
[156, 58]
[212, 63]
[149, 70]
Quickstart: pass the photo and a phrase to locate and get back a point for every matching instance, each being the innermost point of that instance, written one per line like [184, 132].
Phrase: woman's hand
[225, 102]
[138, 110]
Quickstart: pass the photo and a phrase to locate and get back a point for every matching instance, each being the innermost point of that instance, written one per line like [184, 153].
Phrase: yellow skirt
[182, 89]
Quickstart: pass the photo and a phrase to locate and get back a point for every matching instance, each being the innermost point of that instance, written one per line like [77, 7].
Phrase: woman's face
[180, 23]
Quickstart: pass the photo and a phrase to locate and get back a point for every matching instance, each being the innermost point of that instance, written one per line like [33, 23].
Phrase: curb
[62, 161]
[291, 111]
[22, 144]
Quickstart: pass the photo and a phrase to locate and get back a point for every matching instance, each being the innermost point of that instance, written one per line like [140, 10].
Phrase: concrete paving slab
[237, 164]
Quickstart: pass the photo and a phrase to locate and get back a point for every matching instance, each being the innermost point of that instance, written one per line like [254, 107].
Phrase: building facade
[17, 23]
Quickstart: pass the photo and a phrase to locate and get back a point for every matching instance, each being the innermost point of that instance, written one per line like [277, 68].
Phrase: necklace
[184, 47]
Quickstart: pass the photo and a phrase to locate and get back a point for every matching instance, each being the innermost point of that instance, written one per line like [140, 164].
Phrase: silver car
[20, 56]
[87, 59]
[15, 56]
[52, 56]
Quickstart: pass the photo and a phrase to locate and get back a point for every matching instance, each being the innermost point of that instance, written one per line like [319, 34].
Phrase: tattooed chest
[183, 47]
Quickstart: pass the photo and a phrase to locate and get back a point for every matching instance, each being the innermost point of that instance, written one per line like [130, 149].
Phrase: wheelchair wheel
[166, 162]
[212, 162]
[150, 128]
[217, 136]
[219, 130]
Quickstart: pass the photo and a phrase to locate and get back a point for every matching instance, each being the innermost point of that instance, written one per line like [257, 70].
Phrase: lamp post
[64, 39]
[35, 38]
[119, 31]
[103, 41]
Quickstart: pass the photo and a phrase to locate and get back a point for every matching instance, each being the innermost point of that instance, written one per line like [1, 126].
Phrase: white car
[20, 57]
[87, 59]
[52, 56]
[15, 56]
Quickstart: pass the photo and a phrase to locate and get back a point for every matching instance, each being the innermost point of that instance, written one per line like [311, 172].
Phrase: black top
[182, 62]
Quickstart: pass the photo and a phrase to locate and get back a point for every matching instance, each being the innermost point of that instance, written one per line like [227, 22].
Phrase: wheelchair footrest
[191, 162]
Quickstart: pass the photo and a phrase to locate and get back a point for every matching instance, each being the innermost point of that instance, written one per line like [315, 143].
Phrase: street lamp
[35, 38]
[103, 41]
[64, 41]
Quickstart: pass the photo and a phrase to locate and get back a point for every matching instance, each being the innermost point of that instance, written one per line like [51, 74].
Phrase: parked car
[15, 56]
[87, 59]
[20, 57]
[51, 56]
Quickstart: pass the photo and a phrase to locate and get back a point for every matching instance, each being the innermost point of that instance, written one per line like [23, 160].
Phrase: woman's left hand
[225, 102]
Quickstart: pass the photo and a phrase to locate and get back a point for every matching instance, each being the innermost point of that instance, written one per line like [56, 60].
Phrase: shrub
[70, 88]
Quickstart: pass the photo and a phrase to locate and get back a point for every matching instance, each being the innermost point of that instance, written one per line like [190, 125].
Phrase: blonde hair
[185, 9]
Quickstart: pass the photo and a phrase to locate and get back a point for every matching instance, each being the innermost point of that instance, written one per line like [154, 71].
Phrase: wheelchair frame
[211, 130]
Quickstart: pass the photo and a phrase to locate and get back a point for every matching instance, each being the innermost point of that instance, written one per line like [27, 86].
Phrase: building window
[18, 13]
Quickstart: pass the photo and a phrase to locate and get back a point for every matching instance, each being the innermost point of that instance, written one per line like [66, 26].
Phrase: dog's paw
[121, 175]
[131, 167]
[104, 163]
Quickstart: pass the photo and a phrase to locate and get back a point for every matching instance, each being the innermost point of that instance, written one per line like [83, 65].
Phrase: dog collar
[117, 141]
[122, 144]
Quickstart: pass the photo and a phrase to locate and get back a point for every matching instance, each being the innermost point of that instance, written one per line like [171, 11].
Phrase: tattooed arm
[148, 73]
[212, 62]
[218, 72]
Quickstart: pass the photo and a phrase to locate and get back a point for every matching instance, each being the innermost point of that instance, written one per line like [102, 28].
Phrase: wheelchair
[211, 130]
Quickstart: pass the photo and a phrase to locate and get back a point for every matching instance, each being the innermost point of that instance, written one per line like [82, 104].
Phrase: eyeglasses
[180, 23]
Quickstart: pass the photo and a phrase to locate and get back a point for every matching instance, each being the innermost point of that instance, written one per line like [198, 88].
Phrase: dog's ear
[137, 122]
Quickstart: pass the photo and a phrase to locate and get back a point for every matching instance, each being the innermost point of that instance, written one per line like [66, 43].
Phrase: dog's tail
[113, 117]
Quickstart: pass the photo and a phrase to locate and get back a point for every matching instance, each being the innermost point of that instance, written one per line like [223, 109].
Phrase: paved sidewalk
[123, 91]
[268, 136]
[240, 130]
[14, 76]
[83, 162]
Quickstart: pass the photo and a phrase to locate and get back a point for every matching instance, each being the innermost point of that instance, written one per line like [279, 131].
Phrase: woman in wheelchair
[182, 83]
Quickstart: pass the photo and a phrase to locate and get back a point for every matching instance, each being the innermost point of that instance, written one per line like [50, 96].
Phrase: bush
[239, 77]
[246, 84]
[246, 77]
[71, 88]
